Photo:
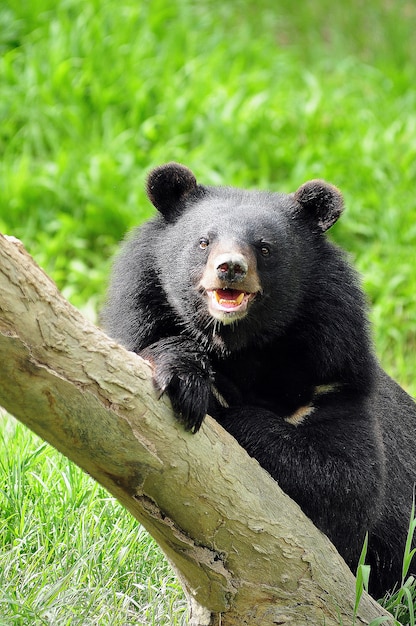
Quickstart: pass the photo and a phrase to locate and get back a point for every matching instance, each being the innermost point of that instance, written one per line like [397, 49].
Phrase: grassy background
[260, 93]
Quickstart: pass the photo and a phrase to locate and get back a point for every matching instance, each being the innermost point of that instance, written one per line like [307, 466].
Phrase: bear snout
[231, 267]
[230, 283]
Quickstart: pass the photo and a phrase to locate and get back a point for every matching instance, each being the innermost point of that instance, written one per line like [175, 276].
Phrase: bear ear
[321, 202]
[167, 186]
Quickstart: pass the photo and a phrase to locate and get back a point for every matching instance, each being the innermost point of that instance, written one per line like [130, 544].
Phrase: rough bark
[243, 550]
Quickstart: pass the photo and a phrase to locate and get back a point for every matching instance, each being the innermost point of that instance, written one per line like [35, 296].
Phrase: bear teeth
[229, 297]
[228, 305]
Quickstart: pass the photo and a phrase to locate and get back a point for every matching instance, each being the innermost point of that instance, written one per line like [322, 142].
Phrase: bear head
[232, 257]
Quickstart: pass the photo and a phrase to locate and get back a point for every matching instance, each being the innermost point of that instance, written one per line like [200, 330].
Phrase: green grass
[402, 603]
[265, 94]
[69, 554]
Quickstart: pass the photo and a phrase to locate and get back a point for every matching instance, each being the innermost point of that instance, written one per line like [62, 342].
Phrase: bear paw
[183, 372]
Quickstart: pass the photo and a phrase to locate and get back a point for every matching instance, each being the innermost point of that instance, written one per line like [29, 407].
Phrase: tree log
[244, 552]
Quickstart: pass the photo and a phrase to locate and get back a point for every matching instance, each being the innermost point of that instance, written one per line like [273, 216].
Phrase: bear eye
[203, 243]
[264, 249]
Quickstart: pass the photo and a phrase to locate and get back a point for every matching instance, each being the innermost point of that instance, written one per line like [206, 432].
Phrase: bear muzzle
[230, 283]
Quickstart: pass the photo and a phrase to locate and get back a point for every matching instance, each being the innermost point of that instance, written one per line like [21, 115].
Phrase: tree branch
[243, 550]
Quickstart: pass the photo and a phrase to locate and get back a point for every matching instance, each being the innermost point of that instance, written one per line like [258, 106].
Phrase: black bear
[249, 313]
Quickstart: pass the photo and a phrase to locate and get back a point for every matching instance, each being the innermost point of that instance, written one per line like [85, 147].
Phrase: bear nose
[231, 267]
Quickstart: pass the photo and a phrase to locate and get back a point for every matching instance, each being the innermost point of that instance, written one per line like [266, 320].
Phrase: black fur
[290, 372]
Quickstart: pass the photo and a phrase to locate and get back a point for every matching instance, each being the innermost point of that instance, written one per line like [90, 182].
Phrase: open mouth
[228, 304]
